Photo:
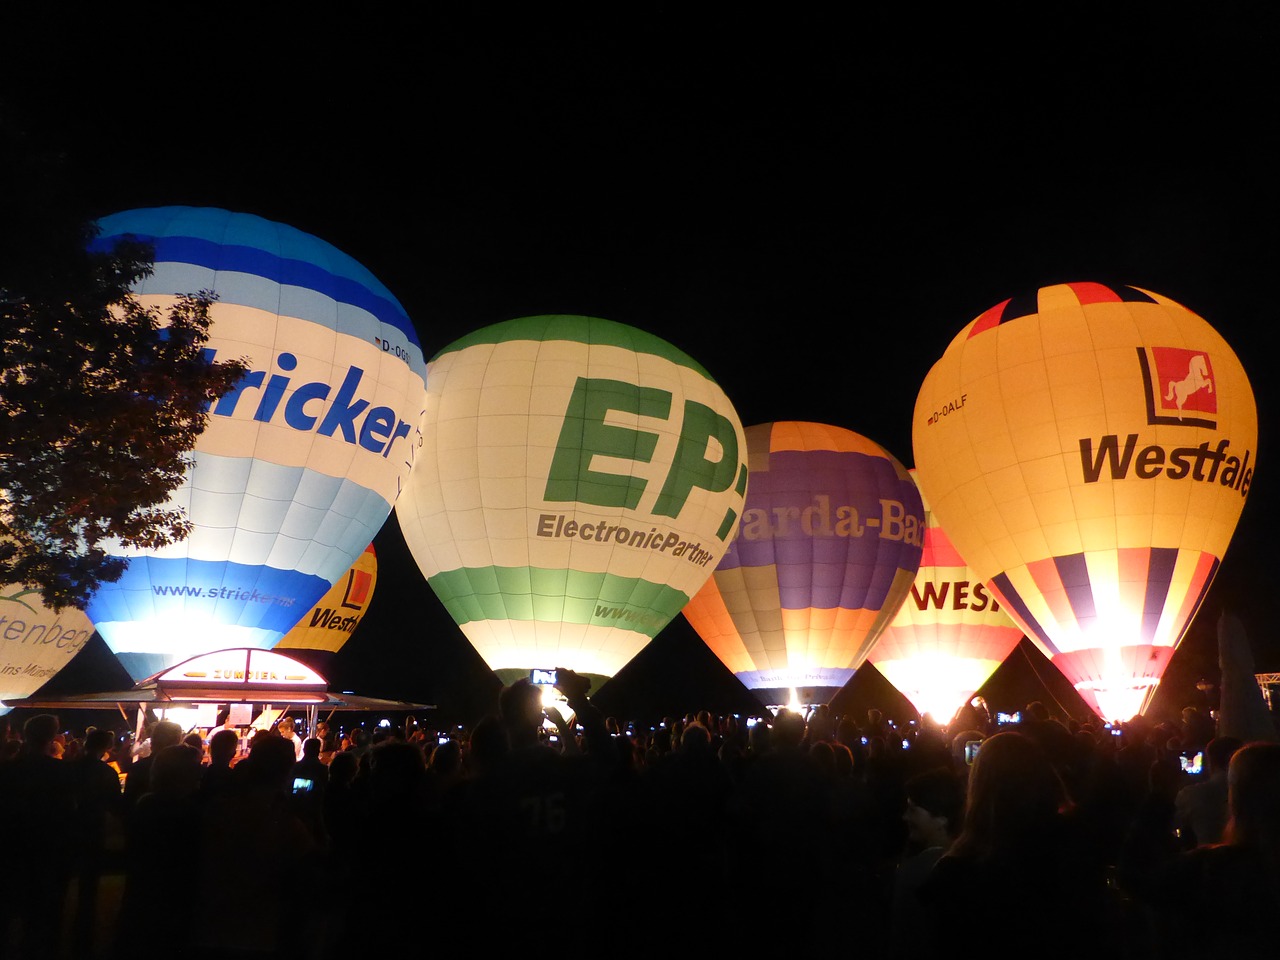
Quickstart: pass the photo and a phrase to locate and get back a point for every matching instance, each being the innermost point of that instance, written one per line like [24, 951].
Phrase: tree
[101, 400]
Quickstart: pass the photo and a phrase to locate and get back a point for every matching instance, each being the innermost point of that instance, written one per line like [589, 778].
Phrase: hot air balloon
[950, 633]
[300, 463]
[35, 641]
[1089, 450]
[579, 480]
[328, 625]
[828, 546]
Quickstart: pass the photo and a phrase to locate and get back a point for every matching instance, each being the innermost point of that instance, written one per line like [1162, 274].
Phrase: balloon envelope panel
[328, 625]
[950, 633]
[35, 642]
[826, 551]
[299, 465]
[579, 480]
[1089, 450]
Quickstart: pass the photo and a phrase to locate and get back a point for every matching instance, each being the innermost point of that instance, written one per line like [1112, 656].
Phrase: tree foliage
[101, 402]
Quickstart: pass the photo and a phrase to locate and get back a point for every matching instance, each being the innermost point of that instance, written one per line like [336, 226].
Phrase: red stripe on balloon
[987, 320]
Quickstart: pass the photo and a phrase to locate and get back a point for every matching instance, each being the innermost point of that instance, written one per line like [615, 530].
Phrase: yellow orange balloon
[327, 625]
[950, 633]
[1089, 450]
[827, 548]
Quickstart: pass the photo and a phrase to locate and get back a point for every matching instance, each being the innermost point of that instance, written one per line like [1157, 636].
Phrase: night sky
[811, 206]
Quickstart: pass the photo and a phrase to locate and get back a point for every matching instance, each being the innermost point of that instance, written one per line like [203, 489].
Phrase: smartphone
[905, 743]
[971, 750]
[303, 784]
[864, 741]
[1192, 763]
[1005, 718]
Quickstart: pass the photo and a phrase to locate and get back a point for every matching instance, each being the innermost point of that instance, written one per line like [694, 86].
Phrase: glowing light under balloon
[579, 480]
[299, 466]
[950, 633]
[828, 546]
[1089, 450]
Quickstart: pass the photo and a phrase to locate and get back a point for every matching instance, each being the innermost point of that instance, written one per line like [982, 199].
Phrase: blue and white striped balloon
[300, 464]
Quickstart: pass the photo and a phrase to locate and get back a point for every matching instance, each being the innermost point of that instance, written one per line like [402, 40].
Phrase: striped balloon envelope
[827, 548]
[329, 624]
[578, 482]
[35, 641]
[300, 463]
[950, 633]
[1089, 450]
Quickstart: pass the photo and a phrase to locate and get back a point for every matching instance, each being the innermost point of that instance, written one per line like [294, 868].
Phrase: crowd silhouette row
[702, 836]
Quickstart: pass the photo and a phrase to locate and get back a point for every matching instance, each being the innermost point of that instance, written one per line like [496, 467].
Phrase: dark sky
[810, 206]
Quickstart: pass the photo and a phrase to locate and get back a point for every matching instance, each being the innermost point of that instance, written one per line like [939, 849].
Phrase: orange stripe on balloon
[710, 617]
[1205, 567]
[1049, 583]
[1132, 567]
[804, 436]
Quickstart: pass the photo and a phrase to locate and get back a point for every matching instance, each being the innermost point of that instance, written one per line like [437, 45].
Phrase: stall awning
[241, 675]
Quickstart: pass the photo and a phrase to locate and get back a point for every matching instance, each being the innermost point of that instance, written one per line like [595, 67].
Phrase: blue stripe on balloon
[342, 278]
[1014, 602]
[1160, 567]
[212, 592]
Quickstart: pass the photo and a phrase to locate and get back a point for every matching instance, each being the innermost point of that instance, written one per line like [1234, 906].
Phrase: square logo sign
[1180, 386]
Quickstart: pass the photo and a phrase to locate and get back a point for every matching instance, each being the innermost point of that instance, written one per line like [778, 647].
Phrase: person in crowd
[163, 829]
[1018, 870]
[1221, 900]
[98, 824]
[286, 730]
[217, 776]
[37, 808]
[164, 733]
[328, 741]
[934, 808]
[310, 781]
[255, 846]
[1200, 808]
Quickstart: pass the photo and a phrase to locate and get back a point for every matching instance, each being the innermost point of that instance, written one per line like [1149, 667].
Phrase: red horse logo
[1197, 378]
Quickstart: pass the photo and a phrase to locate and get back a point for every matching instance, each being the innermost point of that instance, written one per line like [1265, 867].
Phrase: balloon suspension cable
[1047, 689]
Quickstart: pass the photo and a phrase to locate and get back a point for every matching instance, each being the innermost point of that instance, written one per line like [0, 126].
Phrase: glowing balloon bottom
[524, 618]
[937, 681]
[1110, 620]
[804, 687]
[1117, 682]
[164, 611]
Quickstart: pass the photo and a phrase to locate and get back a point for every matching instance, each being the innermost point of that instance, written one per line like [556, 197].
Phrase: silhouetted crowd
[704, 835]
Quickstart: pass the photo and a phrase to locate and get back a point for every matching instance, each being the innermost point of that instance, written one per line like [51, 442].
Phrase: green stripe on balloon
[567, 596]
[593, 330]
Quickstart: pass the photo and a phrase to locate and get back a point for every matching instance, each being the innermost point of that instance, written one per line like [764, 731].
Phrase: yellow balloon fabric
[1089, 449]
[328, 625]
[950, 633]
